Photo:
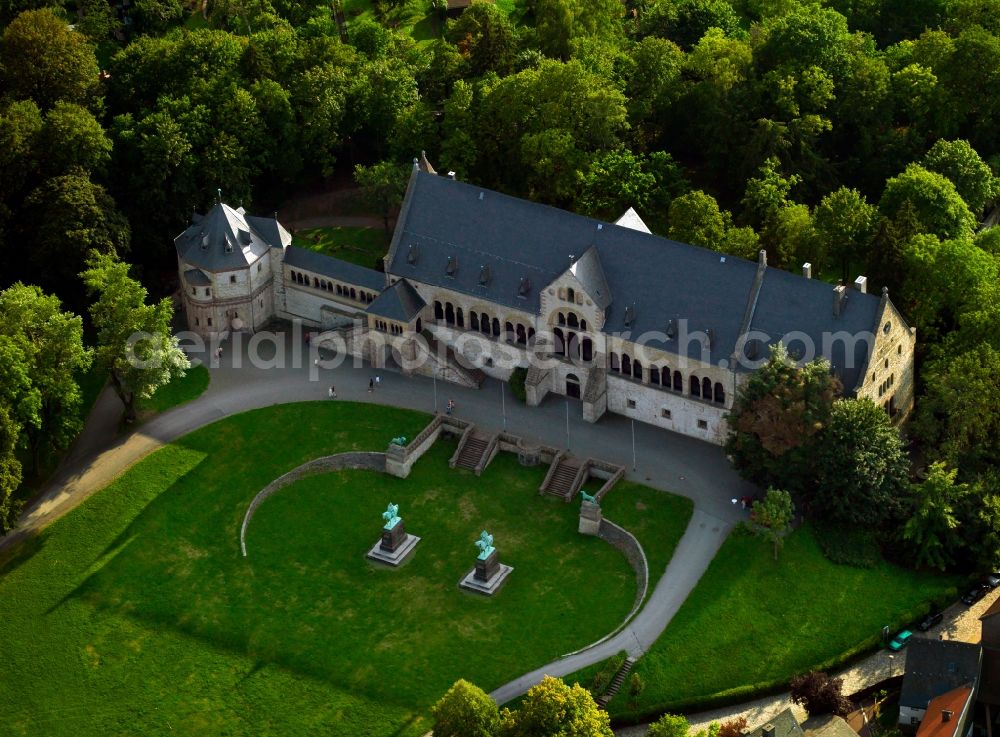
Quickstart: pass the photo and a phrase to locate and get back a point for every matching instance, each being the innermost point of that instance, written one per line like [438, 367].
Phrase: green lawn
[190, 386]
[361, 246]
[135, 614]
[754, 622]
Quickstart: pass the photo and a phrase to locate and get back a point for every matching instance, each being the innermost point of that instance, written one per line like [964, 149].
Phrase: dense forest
[862, 136]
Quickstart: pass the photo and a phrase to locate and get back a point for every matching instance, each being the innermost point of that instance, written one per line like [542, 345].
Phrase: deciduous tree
[775, 513]
[10, 470]
[933, 527]
[553, 709]
[51, 342]
[134, 342]
[820, 694]
[465, 711]
[43, 60]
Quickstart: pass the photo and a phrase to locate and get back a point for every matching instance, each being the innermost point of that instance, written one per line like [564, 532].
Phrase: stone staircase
[616, 683]
[563, 479]
[472, 452]
[461, 372]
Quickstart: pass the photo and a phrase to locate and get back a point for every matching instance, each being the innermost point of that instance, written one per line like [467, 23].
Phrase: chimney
[861, 284]
[807, 270]
[767, 730]
[946, 715]
[451, 175]
[839, 297]
[762, 257]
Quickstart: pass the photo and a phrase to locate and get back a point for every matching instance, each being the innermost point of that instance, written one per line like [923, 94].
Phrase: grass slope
[135, 614]
[752, 621]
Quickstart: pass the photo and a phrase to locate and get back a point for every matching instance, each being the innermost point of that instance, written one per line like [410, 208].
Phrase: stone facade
[561, 335]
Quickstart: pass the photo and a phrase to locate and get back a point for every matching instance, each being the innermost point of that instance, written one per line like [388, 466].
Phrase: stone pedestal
[393, 538]
[590, 518]
[394, 547]
[487, 568]
[488, 575]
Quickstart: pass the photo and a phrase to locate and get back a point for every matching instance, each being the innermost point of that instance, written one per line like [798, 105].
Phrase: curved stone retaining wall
[361, 460]
[630, 547]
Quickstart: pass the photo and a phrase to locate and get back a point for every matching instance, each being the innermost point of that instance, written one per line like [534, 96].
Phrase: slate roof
[226, 240]
[399, 302]
[827, 725]
[955, 701]
[935, 667]
[334, 268]
[660, 279]
[784, 723]
[197, 278]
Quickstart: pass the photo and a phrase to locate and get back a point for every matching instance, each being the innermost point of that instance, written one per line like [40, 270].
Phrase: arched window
[678, 382]
[496, 327]
[293, 274]
[626, 364]
[449, 313]
[315, 282]
[572, 320]
[615, 366]
[720, 393]
[570, 295]
[695, 386]
[508, 332]
[583, 324]
[420, 326]
[561, 319]
[706, 388]
[560, 342]
[531, 333]
[354, 294]
[654, 375]
[637, 370]
[322, 284]
[438, 310]
[587, 350]
[484, 323]
[340, 292]
[522, 335]
[459, 317]
[473, 320]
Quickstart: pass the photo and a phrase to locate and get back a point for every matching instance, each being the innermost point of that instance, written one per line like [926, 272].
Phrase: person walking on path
[378, 379]
[450, 406]
[332, 393]
[371, 385]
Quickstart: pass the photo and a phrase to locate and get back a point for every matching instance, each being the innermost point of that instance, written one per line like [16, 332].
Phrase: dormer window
[484, 275]
[413, 254]
[629, 315]
[524, 287]
[452, 268]
[671, 328]
[204, 242]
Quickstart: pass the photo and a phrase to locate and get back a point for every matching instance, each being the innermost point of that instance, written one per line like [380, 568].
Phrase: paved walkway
[663, 460]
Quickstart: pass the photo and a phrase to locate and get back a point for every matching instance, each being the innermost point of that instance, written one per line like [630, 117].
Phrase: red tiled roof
[954, 701]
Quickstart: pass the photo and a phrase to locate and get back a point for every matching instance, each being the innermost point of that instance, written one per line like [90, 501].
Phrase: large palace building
[478, 283]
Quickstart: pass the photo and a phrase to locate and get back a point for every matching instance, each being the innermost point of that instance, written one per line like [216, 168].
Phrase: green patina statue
[401, 440]
[587, 497]
[485, 545]
[391, 516]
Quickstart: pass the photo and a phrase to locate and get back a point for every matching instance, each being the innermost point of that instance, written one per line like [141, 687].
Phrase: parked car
[900, 640]
[929, 621]
[976, 593]
[992, 580]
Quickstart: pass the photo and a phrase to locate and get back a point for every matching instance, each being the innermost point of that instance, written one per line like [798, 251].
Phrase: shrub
[848, 545]
[820, 694]
[516, 383]
[733, 727]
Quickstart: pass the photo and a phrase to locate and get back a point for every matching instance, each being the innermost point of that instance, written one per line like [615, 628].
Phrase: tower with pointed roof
[227, 261]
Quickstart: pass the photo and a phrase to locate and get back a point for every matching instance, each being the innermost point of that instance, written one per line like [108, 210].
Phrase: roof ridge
[751, 308]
